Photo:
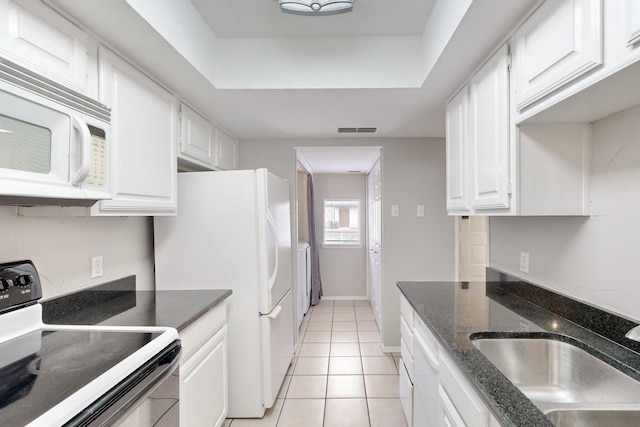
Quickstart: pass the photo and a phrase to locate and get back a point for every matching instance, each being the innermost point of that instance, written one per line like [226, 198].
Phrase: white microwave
[54, 142]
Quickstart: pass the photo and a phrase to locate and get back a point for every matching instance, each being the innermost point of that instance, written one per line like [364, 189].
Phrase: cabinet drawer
[406, 333]
[204, 328]
[407, 311]
[468, 404]
[426, 335]
[407, 358]
[450, 416]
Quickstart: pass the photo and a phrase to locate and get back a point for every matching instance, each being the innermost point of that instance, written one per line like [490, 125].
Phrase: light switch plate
[395, 210]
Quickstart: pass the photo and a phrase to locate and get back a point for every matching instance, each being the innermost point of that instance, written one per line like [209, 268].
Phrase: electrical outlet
[96, 266]
[524, 262]
[420, 211]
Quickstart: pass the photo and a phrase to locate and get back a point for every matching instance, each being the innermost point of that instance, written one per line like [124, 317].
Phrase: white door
[374, 212]
[275, 231]
[277, 351]
[473, 248]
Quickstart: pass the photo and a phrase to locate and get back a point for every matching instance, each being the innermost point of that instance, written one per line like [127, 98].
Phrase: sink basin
[569, 385]
[594, 418]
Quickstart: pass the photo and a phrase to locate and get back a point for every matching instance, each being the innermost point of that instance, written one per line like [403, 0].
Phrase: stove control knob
[5, 284]
[25, 280]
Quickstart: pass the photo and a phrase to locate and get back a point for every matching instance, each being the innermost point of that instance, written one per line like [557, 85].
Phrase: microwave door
[34, 141]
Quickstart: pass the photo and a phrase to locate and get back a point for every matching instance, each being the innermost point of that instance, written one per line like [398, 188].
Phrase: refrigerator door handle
[274, 313]
[272, 224]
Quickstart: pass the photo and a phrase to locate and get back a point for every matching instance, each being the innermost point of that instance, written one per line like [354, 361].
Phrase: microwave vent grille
[33, 82]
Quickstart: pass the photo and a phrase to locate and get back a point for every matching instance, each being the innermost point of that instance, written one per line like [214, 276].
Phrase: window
[341, 222]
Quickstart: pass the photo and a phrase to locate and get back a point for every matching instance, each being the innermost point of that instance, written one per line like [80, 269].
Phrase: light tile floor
[340, 376]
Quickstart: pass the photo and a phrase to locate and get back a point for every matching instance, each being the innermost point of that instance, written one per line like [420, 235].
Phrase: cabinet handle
[275, 312]
[271, 223]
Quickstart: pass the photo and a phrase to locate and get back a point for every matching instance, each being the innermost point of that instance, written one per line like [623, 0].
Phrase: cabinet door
[457, 157]
[489, 134]
[46, 43]
[226, 149]
[144, 132]
[561, 41]
[196, 138]
[633, 21]
[203, 384]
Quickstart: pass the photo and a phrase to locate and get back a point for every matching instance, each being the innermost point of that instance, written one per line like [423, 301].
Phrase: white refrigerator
[233, 232]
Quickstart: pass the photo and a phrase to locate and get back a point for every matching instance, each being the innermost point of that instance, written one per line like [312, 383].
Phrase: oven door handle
[110, 407]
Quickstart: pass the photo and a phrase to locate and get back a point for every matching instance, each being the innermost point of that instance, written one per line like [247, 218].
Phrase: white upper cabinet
[478, 141]
[457, 131]
[203, 145]
[39, 39]
[196, 139]
[226, 150]
[489, 134]
[144, 130]
[633, 21]
[561, 41]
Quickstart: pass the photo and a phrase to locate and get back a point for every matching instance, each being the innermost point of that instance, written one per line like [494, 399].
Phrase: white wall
[596, 258]
[413, 173]
[343, 270]
[61, 249]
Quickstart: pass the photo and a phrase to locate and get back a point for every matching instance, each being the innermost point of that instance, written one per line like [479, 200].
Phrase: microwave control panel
[98, 172]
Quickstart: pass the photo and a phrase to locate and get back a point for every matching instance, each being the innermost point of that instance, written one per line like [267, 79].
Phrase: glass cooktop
[42, 368]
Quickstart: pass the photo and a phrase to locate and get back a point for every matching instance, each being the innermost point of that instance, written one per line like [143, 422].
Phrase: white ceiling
[338, 159]
[263, 18]
[262, 74]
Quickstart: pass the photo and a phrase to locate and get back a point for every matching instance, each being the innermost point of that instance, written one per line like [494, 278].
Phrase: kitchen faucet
[634, 334]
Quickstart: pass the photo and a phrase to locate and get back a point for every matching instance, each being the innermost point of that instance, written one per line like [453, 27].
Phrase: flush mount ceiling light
[316, 7]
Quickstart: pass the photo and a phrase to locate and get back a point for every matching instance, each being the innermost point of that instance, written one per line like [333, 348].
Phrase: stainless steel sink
[564, 381]
[594, 418]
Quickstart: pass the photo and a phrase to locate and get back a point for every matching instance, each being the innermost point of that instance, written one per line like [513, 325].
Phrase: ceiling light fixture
[316, 7]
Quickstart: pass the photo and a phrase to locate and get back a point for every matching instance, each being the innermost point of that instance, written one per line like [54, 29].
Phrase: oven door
[148, 397]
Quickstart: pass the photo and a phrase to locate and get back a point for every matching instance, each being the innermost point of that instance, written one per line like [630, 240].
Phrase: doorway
[473, 248]
[332, 171]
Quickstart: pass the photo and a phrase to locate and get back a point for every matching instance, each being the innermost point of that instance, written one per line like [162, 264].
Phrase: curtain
[316, 282]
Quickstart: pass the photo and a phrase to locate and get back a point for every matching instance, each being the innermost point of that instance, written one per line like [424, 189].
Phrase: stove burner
[74, 357]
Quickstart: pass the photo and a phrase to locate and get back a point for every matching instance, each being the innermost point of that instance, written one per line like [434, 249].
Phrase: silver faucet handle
[634, 334]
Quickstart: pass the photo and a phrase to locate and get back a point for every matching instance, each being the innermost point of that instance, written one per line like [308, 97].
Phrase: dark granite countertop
[119, 304]
[455, 310]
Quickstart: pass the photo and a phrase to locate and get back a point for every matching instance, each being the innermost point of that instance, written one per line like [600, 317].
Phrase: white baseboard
[387, 349]
[345, 298]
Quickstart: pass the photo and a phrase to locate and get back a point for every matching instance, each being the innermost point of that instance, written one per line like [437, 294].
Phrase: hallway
[340, 378]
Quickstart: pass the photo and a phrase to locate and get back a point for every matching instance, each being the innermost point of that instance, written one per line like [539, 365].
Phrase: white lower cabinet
[203, 371]
[442, 396]
[426, 367]
[407, 351]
